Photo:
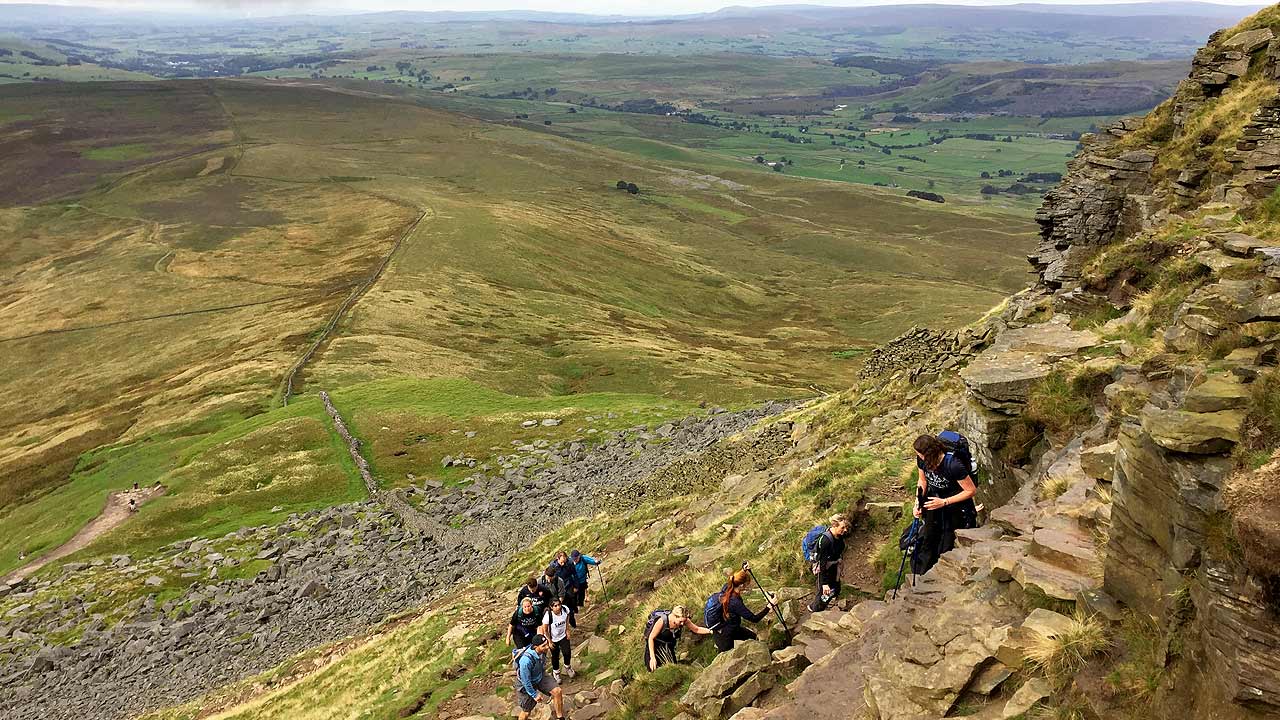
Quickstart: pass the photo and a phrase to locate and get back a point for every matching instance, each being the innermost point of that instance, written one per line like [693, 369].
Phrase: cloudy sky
[649, 7]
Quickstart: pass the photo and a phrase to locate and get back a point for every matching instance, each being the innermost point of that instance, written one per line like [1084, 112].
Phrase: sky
[594, 7]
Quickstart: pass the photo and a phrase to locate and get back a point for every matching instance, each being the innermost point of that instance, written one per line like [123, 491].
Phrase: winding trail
[111, 517]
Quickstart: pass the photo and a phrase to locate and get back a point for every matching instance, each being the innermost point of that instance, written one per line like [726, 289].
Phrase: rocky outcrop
[1099, 200]
[923, 354]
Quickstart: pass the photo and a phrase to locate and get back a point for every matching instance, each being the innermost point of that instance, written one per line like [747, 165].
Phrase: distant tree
[622, 185]
[403, 67]
[862, 163]
[633, 188]
[985, 175]
[573, 110]
[989, 190]
[546, 122]
[760, 159]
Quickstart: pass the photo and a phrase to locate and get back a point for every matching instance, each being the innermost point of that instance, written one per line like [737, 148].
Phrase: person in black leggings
[725, 612]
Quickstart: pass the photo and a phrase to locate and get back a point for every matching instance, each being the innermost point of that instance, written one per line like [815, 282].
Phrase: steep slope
[1124, 409]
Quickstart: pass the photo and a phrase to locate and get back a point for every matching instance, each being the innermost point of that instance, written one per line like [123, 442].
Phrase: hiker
[582, 574]
[944, 498]
[524, 624]
[555, 587]
[133, 505]
[555, 625]
[827, 551]
[566, 571]
[533, 685]
[725, 611]
[662, 632]
[536, 592]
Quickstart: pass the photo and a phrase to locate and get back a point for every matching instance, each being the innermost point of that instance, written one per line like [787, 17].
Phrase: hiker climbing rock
[944, 497]
[725, 611]
[582, 574]
[824, 552]
[533, 684]
[540, 595]
[555, 625]
[524, 624]
[662, 632]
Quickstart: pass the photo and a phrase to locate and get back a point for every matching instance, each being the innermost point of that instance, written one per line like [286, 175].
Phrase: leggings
[725, 635]
[558, 648]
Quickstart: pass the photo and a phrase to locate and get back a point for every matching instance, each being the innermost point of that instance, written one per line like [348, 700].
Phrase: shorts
[545, 686]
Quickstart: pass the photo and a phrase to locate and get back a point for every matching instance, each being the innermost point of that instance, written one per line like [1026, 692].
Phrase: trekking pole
[603, 588]
[768, 598]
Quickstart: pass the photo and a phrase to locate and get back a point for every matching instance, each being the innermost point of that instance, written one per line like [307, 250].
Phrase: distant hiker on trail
[555, 624]
[662, 632]
[533, 684]
[828, 547]
[524, 624]
[944, 497]
[725, 611]
[582, 574]
[539, 595]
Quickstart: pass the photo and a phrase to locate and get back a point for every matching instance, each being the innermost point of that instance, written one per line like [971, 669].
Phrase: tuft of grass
[1061, 656]
[1063, 400]
[1142, 670]
[1053, 488]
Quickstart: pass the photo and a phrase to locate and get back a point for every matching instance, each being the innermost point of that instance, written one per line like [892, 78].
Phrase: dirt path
[112, 516]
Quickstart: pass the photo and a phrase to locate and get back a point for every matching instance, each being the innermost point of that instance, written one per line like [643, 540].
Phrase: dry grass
[1060, 656]
[1053, 487]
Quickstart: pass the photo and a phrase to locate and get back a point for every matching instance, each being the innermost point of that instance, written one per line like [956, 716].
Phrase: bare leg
[557, 699]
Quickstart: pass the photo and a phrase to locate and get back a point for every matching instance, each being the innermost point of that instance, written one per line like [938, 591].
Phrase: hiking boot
[569, 671]
[556, 674]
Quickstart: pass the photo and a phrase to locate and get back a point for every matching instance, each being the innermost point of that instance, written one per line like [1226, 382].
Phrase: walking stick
[603, 588]
[768, 598]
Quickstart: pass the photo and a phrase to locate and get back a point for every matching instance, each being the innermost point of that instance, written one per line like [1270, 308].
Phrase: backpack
[809, 545]
[909, 537]
[654, 617]
[711, 612]
[516, 654]
[958, 446]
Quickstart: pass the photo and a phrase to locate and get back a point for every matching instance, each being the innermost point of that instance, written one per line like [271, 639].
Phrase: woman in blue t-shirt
[944, 489]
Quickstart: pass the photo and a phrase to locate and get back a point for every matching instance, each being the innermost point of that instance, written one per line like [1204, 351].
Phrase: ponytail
[736, 580]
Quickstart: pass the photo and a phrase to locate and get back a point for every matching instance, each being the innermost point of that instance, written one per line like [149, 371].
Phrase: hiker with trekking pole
[945, 490]
[725, 611]
[582, 564]
[823, 547]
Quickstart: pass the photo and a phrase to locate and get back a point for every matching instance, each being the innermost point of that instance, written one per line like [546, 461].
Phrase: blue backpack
[711, 612]
[958, 447]
[809, 545]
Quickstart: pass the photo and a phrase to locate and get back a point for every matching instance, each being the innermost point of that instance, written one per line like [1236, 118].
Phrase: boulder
[707, 695]
[596, 645]
[1031, 692]
[1047, 623]
[1217, 393]
[1098, 462]
[1202, 433]
[1268, 308]
[1248, 41]
[1003, 375]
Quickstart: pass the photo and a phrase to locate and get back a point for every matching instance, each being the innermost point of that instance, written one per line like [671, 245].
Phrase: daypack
[654, 617]
[809, 545]
[908, 543]
[516, 654]
[711, 612]
[958, 446]
[909, 537]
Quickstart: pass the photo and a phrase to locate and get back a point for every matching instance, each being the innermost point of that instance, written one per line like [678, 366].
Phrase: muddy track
[112, 516]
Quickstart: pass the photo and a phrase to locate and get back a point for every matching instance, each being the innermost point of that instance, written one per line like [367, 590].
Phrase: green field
[168, 285]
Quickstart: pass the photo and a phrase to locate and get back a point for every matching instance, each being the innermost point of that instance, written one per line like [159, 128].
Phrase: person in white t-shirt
[555, 625]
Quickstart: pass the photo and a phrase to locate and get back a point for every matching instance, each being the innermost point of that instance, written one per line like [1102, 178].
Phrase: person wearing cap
[581, 574]
[533, 684]
[664, 632]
